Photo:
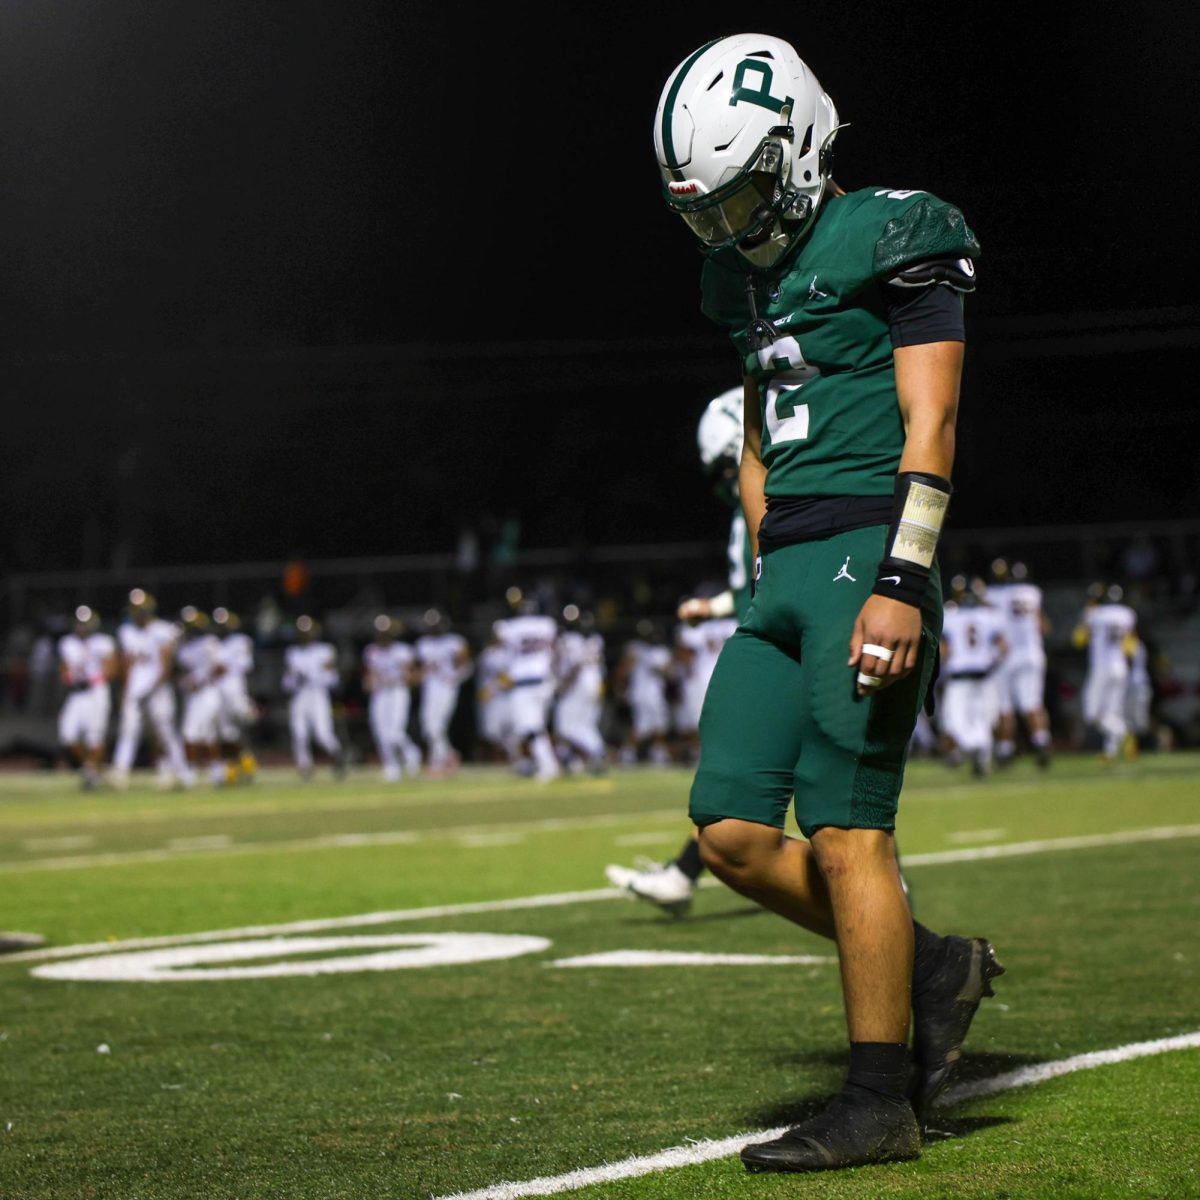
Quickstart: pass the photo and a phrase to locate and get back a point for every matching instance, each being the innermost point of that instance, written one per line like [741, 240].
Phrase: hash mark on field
[706, 1151]
[966, 836]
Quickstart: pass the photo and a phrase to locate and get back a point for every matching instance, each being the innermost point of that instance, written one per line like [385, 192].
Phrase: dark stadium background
[335, 278]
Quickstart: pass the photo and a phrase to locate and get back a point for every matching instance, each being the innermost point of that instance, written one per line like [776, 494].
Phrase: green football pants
[781, 718]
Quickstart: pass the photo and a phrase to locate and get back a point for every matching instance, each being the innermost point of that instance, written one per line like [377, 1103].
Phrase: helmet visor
[735, 211]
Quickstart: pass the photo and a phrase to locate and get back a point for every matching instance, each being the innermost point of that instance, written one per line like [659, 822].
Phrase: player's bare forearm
[927, 383]
[927, 386]
[752, 474]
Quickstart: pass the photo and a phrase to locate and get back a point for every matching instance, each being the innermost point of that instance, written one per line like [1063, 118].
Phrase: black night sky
[338, 277]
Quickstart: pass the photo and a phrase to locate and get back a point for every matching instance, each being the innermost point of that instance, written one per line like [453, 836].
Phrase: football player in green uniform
[846, 312]
[670, 885]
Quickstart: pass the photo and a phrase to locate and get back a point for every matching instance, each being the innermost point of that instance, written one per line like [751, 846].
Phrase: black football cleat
[848, 1133]
[943, 1012]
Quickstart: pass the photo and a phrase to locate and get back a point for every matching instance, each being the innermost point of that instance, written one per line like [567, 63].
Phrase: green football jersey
[741, 564]
[813, 333]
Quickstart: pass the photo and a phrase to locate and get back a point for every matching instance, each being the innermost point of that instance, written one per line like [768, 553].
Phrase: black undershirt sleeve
[927, 314]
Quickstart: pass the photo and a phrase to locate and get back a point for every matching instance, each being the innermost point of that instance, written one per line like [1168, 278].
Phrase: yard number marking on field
[557, 899]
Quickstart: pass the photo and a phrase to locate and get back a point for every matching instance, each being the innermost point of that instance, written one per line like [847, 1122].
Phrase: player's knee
[734, 850]
[844, 852]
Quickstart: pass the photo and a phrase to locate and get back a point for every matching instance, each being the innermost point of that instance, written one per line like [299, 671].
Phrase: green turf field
[430, 1081]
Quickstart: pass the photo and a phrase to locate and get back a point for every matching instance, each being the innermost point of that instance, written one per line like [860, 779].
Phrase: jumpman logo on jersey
[844, 573]
[815, 292]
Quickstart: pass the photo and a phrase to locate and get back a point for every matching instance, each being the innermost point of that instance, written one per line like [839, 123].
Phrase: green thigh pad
[781, 718]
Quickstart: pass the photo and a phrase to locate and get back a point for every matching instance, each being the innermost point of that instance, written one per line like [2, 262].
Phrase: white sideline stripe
[556, 899]
[706, 1151]
[1040, 1072]
[400, 837]
[1163, 833]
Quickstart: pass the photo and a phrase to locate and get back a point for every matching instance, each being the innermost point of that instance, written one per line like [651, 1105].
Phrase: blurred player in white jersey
[641, 680]
[88, 663]
[493, 712]
[973, 648]
[236, 659]
[1021, 678]
[698, 644]
[1139, 695]
[579, 671]
[146, 654]
[310, 674]
[1108, 629]
[444, 663]
[528, 638]
[197, 662]
[389, 673]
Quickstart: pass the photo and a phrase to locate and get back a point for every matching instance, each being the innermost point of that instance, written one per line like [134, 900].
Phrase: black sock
[927, 955]
[689, 861]
[878, 1069]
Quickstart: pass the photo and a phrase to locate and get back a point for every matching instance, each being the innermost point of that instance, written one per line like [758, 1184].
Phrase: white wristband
[880, 652]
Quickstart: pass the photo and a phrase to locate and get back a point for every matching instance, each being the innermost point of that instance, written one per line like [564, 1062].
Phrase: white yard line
[964, 837]
[705, 1151]
[178, 848]
[77, 842]
[647, 839]
[212, 841]
[557, 899]
[689, 958]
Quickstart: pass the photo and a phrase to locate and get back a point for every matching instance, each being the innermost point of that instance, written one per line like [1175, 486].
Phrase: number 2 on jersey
[786, 420]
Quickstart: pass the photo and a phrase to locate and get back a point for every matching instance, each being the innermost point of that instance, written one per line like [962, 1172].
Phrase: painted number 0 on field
[786, 420]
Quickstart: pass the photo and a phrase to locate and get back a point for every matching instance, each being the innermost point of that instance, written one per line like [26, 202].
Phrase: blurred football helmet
[225, 621]
[386, 628]
[307, 628]
[721, 432]
[141, 605]
[744, 137]
[86, 619]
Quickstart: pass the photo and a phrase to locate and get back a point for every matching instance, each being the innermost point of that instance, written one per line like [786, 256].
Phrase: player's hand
[695, 608]
[884, 625]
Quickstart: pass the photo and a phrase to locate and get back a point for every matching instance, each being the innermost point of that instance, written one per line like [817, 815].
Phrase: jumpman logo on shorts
[844, 573]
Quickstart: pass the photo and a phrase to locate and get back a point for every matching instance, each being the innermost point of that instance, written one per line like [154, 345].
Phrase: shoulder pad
[927, 228]
[958, 273]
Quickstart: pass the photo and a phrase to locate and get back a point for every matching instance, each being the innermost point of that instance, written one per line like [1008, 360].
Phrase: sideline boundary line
[557, 899]
[708, 1151]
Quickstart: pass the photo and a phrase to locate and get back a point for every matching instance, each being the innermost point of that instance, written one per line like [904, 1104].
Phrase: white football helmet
[744, 137]
[721, 430]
